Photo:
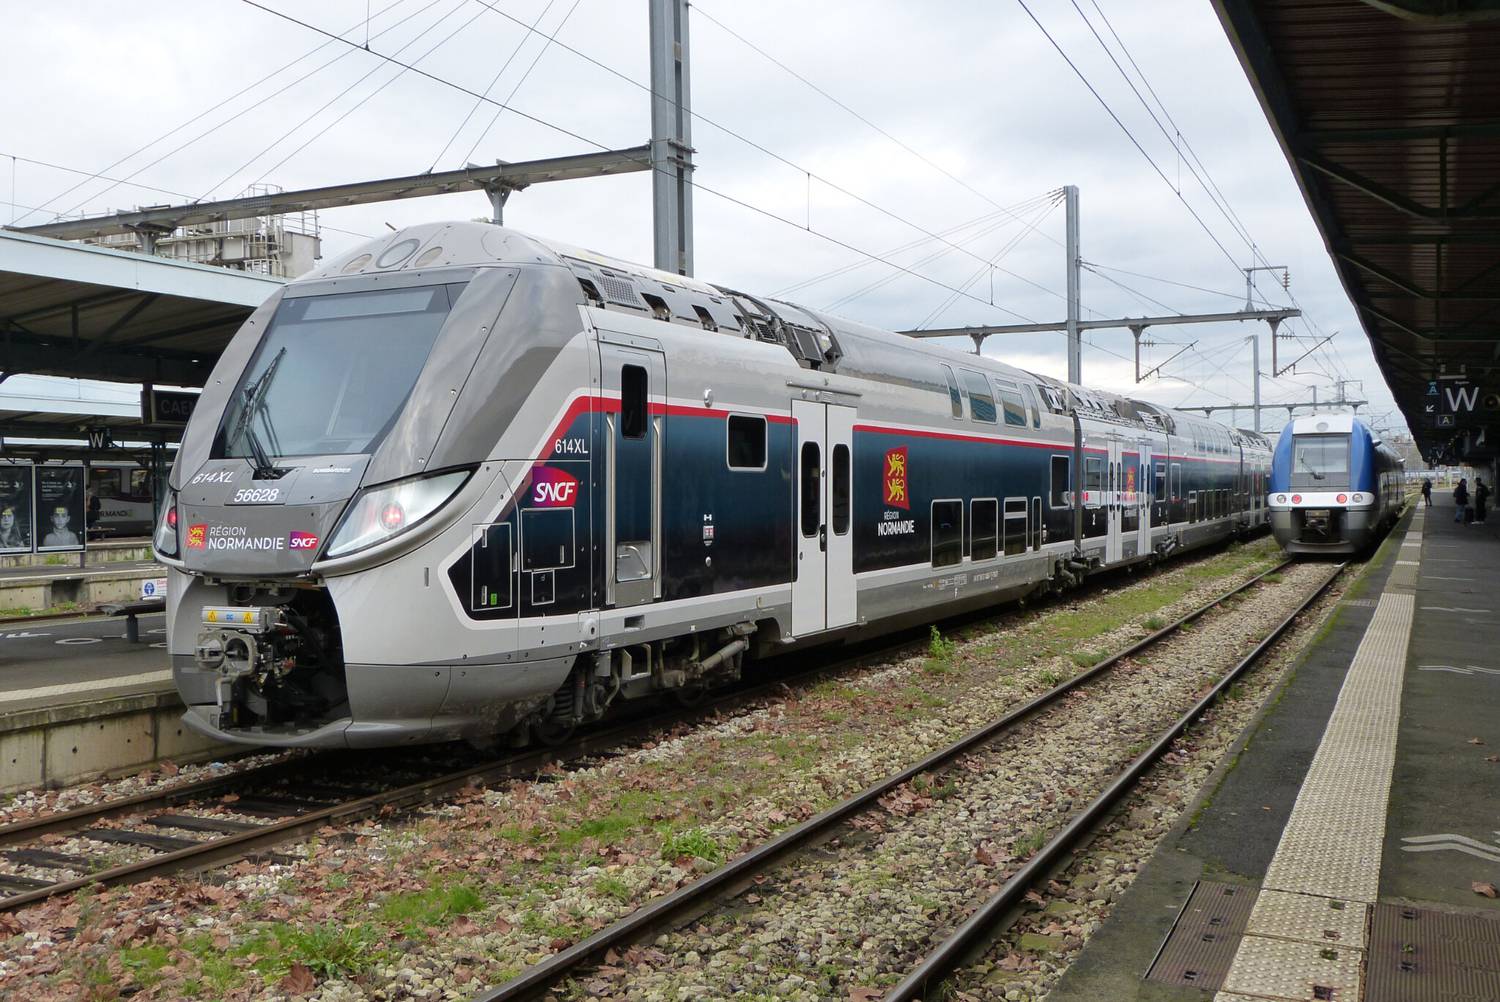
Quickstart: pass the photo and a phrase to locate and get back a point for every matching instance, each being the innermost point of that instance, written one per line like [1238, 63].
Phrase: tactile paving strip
[1298, 944]
[1284, 969]
[1310, 919]
[1201, 946]
[1417, 955]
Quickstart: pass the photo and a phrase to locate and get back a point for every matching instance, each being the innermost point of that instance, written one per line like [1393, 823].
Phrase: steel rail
[237, 845]
[541, 977]
[948, 955]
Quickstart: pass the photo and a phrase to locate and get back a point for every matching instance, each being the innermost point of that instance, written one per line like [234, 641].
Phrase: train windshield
[332, 372]
[1320, 462]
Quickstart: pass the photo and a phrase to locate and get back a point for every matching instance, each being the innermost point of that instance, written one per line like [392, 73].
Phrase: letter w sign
[1461, 398]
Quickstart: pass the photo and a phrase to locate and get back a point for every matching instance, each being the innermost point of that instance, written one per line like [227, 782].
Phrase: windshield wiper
[1308, 467]
[255, 397]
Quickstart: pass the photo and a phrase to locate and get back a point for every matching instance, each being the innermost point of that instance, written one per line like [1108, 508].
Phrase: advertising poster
[59, 507]
[16, 527]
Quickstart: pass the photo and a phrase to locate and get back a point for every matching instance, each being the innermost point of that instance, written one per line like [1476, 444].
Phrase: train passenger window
[1176, 481]
[1161, 482]
[981, 403]
[1062, 483]
[984, 517]
[1011, 403]
[812, 488]
[954, 397]
[1036, 412]
[1015, 526]
[746, 442]
[840, 514]
[947, 533]
[632, 401]
[1093, 480]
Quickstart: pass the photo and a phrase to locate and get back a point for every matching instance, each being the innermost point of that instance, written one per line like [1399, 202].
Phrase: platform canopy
[1389, 115]
[69, 309]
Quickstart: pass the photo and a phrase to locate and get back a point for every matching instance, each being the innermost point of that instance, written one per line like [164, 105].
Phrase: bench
[130, 610]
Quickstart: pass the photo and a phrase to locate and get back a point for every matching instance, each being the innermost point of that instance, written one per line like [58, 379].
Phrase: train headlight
[165, 539]
[1281, 499]
[1359, 499]
[380, 513]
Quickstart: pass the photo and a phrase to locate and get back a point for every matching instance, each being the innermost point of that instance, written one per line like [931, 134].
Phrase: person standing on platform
[1481, 495]
[1460, 499]
[1427, 490]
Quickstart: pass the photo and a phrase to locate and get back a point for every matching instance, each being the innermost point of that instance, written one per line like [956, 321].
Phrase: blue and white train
[463, 481]
[1335, 486]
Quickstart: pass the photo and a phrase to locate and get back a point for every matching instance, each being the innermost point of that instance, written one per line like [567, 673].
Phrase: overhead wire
[1129, 135]
[341, 94]
[648, 165]
[242, 112]
[951, 231]
[550, 39]
[491, 85]
[699, 11]
[749, 142]
[1042, 212]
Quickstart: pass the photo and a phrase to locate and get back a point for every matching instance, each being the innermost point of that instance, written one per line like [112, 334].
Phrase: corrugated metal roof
[1392, 127]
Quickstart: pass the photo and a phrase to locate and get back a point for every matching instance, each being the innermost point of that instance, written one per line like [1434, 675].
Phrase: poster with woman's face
[15, 508]
[59, 507]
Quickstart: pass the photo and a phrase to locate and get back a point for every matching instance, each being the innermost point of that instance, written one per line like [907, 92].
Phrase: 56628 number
[256, 495]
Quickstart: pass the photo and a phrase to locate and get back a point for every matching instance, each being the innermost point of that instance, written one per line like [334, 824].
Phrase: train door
[1113, 503]
[1143, 499]
[823, 593]
[633, 472]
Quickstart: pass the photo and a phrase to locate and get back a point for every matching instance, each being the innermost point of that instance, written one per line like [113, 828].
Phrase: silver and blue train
[1335, 486]
[463, 482]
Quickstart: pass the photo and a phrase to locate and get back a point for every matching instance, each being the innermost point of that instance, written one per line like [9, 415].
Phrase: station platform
[44, 587]
[1349, 847]
[79, 700]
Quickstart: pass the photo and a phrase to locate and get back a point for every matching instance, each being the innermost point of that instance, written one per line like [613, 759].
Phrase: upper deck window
[333, 372]
[981, 402]
[1320, 462]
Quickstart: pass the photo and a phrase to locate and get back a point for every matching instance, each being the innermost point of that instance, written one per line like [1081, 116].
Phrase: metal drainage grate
[1200, 948]
[1418, 955]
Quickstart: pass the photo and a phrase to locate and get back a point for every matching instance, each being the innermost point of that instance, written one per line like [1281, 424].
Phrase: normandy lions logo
[895, 479]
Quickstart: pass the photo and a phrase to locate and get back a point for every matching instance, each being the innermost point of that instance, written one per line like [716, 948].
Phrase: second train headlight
[380, 513]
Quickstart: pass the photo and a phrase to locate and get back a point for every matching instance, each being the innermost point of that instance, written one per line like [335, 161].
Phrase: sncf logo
[553, 488]
[197, 535]
[299, 540]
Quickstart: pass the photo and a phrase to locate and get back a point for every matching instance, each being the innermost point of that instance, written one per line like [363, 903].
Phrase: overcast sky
[975, 88]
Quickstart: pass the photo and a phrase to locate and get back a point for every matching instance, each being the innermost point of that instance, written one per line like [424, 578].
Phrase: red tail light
[392, 516]
[1296, 499]
[1343, 498]
[172, 517]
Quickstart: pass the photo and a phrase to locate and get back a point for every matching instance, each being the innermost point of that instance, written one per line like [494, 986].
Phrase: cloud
[978, 91]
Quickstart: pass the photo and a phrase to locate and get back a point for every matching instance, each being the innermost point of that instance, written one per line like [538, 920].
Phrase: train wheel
[688, 695]
[552, 732]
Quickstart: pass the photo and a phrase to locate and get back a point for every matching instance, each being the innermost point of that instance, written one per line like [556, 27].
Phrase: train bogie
[462, 482]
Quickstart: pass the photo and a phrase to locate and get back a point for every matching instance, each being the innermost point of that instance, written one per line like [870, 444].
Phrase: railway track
[199, 825]
[693, 899]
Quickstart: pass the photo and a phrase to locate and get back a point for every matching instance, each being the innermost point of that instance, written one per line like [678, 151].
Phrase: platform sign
[169, 407]
[59, 508]
[153, 588]
[17, 528]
